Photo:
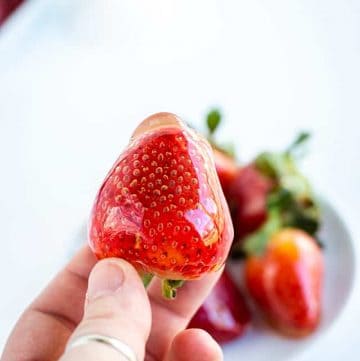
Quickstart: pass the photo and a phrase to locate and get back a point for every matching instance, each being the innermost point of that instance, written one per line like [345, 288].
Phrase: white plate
[261, 341]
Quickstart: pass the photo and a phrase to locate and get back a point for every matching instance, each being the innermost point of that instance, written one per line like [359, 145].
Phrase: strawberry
[226, 169]
[245, 188]
[224, 155]
[7, 7]
[224, 313]
[285, 280]
[161, 206]
[247, 198]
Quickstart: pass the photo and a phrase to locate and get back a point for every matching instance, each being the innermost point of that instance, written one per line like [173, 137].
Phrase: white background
[76, 77]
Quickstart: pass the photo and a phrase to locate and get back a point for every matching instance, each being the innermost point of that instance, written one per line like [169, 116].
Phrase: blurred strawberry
[7, 7]
[224, 313]
[284, 276]
[224, 155]
[245, 188]
[226, 169]
[247, 195]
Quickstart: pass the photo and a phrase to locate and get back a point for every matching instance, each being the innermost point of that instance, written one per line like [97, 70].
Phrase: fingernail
[106, 278]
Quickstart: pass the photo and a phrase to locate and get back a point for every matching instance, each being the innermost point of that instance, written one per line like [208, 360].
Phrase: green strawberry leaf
[298, 144]
[255, 243]
[292, 194]
[213, 120]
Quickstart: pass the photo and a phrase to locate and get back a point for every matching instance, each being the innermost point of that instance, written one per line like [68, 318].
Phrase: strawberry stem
[146, 278]
[169, 288]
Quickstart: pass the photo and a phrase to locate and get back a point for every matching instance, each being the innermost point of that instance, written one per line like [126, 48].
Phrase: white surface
[76, 76]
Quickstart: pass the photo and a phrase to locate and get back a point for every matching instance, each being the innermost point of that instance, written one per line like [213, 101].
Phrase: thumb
[116, 306]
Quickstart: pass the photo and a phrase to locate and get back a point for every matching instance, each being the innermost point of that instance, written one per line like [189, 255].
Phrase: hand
[116, 305]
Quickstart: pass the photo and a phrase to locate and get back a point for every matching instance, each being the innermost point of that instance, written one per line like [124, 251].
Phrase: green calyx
[255, 244]
[291, 202]
[292, 194]
[169, 288]
[296, 211]
[282, 164]
[146, 278]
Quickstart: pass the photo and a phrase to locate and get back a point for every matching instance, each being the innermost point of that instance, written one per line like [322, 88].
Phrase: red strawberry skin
[226, 169]
[247, 198]
[224, 313]
[161, 206]
[286, 282]
[7, 7]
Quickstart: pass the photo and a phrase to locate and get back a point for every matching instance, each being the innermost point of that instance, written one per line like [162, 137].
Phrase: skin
[108, 297]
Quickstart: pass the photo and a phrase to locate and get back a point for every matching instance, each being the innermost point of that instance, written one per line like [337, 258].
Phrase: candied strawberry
[224, 313]
[247, 198]
[226, 169]
[286, 281]
[161, 206]
[7, 7]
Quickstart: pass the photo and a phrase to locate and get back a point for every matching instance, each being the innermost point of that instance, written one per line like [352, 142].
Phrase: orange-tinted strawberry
[286, 281]
[224, 313]
[161, 206]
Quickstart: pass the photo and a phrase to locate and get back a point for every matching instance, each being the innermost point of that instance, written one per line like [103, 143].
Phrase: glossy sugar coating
[286, 282]
[160, 207]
